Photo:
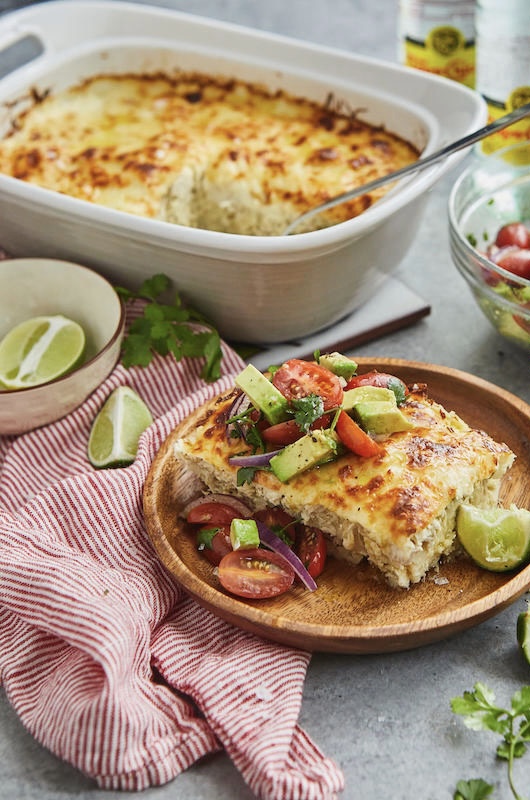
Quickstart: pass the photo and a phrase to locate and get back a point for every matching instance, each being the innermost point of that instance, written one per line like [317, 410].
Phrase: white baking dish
[261, 289]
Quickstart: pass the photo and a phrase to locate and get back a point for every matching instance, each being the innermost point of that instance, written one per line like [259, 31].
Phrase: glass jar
[439, 36]
[503, 65]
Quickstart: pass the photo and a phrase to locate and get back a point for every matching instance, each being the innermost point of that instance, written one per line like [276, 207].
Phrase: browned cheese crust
[398, 508]
[199, 150]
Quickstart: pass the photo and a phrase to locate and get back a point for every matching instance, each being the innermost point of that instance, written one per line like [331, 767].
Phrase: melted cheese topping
[199, 151]
[399, 509]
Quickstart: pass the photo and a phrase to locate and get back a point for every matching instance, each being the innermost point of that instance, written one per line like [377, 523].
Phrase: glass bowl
[494, 191]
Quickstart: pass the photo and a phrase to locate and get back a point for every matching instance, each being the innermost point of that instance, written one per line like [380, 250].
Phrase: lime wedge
[113, 440]
[523, 633]
[497, 539]
[39, 350]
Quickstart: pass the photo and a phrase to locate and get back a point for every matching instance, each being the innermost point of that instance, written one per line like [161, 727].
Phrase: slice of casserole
[397, 509]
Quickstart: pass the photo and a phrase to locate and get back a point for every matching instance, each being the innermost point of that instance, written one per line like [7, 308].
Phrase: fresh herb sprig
[513, 724]
[165, 328]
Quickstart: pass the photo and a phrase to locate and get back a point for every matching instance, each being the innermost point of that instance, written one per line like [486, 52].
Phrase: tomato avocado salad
[296, 417]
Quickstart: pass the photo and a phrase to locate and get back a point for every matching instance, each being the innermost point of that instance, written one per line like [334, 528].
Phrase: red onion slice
[268, 538]
[241, 403]
[238, 505]
[496, 254]
[256, 460]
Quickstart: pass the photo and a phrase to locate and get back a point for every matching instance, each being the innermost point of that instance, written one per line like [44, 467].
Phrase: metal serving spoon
[417, 166]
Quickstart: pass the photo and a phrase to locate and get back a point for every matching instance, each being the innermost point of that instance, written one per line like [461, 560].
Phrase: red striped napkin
[104, 658]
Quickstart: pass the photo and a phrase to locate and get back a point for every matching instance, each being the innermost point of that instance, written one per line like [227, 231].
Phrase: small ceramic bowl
[32, 287]
[494, 191]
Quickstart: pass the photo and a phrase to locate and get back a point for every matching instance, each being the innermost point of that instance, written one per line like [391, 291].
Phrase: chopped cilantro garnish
[254, 439]
[399, 389]
[307, 410]
[246, 475]
[205, 537]
[282, 532]
[245, 427]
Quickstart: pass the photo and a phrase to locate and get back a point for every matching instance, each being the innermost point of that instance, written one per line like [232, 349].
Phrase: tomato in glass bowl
[489, 229]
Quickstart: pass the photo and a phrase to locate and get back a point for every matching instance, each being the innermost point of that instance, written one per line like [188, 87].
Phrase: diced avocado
[380, 416]
[509, 327]
[340, 365]
[517, 294]
[307, 452]
[504, 290]
[244, 534]
[263, 394]
[365, 394]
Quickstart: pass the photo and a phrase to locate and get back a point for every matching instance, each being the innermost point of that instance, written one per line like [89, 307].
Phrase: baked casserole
[200, 151]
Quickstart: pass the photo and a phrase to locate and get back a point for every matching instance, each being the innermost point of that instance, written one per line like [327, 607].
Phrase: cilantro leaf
[136, 350]
[245, 475]
[150, 289]
[521, 701]
[272, 369]
[475, 789]
[307, 410]
[254, 438]
[286, 532]
[165, 328]
[205, 538]
[242, 426]
[399, 389]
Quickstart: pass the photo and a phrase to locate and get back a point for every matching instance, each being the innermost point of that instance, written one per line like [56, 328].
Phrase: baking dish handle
[18, 49]
[34, 31]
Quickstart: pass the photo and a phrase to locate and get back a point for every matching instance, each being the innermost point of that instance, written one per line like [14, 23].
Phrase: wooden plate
[353, 610]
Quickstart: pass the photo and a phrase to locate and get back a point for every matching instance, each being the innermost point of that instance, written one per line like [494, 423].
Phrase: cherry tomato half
[381, 379]
[354, 438]
[311, 549]
[297, 378]
[213, 546]
[212, 514]
[516, 261]
[515, 233]
[255, 574]
[288, 432]
[279, 521]
[521, 321]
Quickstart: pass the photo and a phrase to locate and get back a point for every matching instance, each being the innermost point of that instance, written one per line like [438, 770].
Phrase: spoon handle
[416, 166]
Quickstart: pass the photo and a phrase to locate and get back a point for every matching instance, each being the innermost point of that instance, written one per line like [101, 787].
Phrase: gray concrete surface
[385, 718]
